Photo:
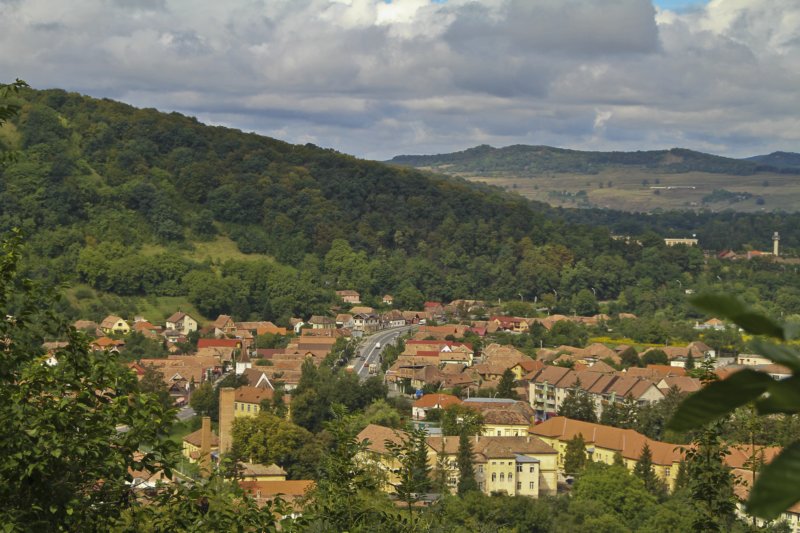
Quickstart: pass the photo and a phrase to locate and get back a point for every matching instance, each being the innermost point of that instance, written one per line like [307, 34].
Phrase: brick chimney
[205, 447]
[227, 396]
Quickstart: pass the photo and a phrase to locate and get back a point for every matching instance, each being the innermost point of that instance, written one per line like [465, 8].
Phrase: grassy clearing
[219, 250]
[154, 308]
[628, 190]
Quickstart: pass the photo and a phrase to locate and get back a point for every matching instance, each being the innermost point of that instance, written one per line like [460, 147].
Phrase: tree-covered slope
[787, 161]
[119, 197]
[540, 159]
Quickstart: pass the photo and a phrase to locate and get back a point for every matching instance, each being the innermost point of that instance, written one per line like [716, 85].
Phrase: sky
[376, 79]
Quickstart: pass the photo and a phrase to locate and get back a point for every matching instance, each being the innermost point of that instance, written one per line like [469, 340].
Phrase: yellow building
[114, 324]
[603, 443]
[244, 401]
[523, 466]
[518, 466]
[379, 456]
[193, 443]
[259, 472]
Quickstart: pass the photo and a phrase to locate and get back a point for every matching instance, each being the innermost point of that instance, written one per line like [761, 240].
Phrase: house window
[502, 477]
[666, 472]
[519, 485]
[519, 468]
[494, 476]
[510, 476]
[248, 407]
[499, 433]
[480, 469]
[532, 485]
[532, 470]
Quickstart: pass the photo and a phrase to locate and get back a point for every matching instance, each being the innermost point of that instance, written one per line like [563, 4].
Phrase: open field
[633, 190]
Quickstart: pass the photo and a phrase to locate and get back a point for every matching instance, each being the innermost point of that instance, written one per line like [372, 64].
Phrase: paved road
[370, 354]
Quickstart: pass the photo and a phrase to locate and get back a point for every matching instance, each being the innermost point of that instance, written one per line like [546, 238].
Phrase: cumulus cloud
[377, 78]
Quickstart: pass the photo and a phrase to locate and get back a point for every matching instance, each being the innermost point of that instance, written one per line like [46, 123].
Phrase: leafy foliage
[775, 489]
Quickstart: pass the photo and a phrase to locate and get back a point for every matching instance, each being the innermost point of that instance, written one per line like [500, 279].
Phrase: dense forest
[118, 199]
[538, 159]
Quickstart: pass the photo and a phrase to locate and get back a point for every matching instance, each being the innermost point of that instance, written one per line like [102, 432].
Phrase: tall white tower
[776, 239]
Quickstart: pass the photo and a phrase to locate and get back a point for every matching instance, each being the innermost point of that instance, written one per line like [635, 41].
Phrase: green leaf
[778, 485]
[733, 309]
[782, 397]
[783, 355]
[721, 305]
[719, 398]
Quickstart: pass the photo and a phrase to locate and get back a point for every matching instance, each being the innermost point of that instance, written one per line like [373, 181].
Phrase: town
[448, 371]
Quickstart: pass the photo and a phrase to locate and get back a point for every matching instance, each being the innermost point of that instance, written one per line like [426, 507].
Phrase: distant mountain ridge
[780, 160]
[534, 160]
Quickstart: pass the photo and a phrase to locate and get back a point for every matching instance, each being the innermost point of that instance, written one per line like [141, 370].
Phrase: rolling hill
[643, 181]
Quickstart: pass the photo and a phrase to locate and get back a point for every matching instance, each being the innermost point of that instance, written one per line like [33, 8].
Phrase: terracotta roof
[256, 469]
[218, 343]
[221, 321]
[194, 437]
[655, 371]
[494, 447]
[682, 383]
[289, 490]
[431, 400]
[254, 395]
[626, 441]
[176, 317]
[378, 435]
[110, 321]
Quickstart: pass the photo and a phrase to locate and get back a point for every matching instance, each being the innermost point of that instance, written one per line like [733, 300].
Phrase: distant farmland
[629, 189]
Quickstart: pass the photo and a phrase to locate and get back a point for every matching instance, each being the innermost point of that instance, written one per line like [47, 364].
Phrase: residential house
[290, 491]
[366, 323]
[192, 444]
[388, 299]
[223, 326]
[349, 296]
[434, 309]
[749, 359]
[503, 417]
[114, 324]
[257, 378]
[344, 320]
[107, 343]
[224, 349]
[712, 324]
[393, 319]
[510, 323]
[259, 472]
[322, 322]
[420, 407]
[181, 322]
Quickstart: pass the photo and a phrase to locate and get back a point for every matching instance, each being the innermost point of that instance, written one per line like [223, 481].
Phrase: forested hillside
[539, 159]
[134, 203]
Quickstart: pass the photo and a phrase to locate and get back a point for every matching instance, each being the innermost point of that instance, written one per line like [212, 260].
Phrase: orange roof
[626, 441]
[434, 400]
[253, 394]
[378, 435]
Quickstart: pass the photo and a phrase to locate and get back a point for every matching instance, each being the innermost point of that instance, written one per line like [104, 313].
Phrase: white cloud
[376, 79]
